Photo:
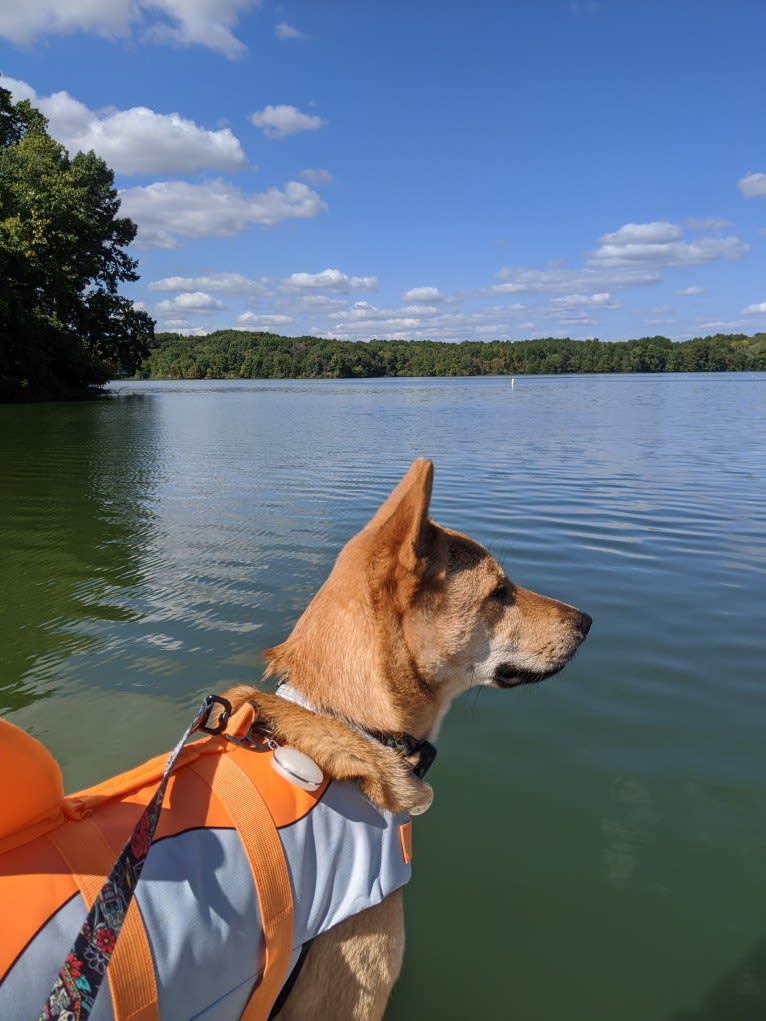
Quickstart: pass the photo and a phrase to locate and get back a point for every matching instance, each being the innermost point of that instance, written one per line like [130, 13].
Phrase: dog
[411, 615]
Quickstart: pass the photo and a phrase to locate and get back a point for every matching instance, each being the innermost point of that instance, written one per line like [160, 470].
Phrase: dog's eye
[500, 592]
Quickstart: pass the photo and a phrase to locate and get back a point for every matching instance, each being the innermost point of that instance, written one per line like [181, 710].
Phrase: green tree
[63, 325]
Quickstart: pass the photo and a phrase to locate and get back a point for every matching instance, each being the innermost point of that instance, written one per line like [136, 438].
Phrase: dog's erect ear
[402, 524]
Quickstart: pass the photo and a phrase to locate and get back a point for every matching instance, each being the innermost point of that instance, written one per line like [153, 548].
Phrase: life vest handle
[78, 983]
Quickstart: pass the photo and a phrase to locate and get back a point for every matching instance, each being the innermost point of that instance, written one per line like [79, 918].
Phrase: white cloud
[184, 326]
[134, 141]
[661, 244]
[658, 233]
[629, 257]
[330, 280]
[752, 185]
[689, 291]
[518, 280]
[314, 302]
[280, 121]
[182, 22]
[719, 326]
[258, 321]
[23, 23]
[757, 309]
[316, 176]
[167, 210]
[362, 320]
[226, 283]
[191, 301]
[285, 31]
[422, 294]
[578, 309]
[601, 300]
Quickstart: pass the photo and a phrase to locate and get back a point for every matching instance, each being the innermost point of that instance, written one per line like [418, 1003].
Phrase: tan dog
[411, 615]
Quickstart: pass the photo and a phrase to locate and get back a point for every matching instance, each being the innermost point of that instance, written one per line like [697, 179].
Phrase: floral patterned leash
[80, 976]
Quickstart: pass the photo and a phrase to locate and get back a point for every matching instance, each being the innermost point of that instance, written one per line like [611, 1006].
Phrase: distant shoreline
[237, 354]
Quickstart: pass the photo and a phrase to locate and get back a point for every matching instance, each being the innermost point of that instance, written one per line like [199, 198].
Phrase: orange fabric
[131, 971]
[405, 838]
[270, 877]
[71, 843]
[32, 785]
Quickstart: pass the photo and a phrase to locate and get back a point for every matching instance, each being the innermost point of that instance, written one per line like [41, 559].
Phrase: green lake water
[596, 850]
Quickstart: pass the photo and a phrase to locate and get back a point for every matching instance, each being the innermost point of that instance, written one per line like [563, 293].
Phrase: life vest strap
[131, 971]
[260, 839]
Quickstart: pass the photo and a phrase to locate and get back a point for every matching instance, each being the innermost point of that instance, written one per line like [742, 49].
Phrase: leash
[80, 976]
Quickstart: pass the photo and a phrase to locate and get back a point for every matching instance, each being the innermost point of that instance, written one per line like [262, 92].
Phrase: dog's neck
[367, 706]
[418, 751]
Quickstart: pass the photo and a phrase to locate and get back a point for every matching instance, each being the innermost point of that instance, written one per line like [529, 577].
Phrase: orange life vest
[210, 933]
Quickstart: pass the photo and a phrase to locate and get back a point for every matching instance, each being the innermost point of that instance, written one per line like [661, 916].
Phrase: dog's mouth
[509, 676]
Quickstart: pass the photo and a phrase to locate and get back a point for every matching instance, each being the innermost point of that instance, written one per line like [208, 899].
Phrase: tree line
[64, 327]
[236, 354]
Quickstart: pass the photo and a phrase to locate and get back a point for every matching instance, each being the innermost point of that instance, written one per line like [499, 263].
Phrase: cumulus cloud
[285, 31]
[134, 141]
[168, 210]
[206, 23]
[758, 309]
[191, 301]
[689, 291]
[422, 294]
[752, 185]
[629, 257]
[329, 280]
[280, 121]
[661, 244]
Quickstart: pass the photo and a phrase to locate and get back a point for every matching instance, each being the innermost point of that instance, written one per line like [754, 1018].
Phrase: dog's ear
[401, 525]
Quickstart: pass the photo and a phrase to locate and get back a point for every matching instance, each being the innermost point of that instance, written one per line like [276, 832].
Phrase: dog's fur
[411, 615]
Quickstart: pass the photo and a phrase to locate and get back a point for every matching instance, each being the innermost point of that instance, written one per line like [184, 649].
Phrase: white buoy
[297, 768]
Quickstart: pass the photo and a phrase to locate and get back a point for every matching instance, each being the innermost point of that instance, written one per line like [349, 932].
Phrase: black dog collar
[408, 746]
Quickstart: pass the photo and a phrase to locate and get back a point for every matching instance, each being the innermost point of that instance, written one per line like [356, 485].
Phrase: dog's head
[413, 614]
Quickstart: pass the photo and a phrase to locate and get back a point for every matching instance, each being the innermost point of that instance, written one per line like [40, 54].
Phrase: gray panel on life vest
[26, 986]
[344, 856]
[201, 915]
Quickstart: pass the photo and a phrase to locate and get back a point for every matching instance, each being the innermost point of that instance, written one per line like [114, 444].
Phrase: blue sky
[423, 169]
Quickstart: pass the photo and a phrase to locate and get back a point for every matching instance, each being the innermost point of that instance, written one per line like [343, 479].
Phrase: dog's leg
[350, 970]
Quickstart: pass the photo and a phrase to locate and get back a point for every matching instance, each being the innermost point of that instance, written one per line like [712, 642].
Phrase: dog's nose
[583, 622]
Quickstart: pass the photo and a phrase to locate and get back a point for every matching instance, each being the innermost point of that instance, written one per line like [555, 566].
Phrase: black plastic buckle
[223, 719]
[426, 753]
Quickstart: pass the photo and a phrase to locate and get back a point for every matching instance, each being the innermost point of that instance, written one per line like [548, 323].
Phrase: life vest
[244, 870]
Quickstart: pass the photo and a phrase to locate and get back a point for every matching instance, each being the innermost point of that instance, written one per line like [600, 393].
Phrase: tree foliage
[238, 354]
[63, 325]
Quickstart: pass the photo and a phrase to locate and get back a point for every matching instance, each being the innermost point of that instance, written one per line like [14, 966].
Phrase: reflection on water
[74, 518]
[600, 835]
[626, 829]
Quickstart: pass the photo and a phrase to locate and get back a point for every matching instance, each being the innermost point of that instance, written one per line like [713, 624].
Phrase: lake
[595, 851]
